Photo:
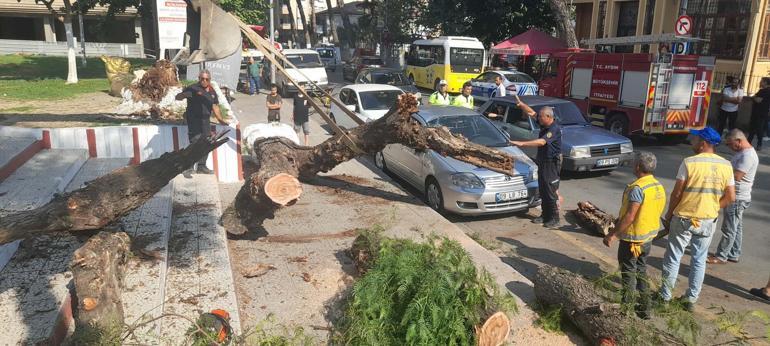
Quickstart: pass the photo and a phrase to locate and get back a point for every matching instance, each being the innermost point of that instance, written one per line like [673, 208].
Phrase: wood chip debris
[297, 259]
[306, 277]
[257, 270]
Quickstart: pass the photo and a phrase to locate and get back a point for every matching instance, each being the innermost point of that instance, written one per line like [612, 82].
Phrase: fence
[750, 84]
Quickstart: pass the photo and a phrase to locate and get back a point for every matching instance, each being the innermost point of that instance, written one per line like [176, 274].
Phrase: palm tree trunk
[330, 18]
[312, 22]
[345, 23]
[304, 23]
[292, 23]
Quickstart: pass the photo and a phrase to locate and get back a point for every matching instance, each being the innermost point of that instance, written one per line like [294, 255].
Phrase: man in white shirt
[499, 88]
[731, 98]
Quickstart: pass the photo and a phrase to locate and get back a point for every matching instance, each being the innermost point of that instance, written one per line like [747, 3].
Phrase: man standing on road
[760, 112]
[745, 163]
[731, 98]
[704, 185]
[440, 97]
[202, 101]
[255, 73]
[499, 87]
[548, 161]
[639, 222]
[301, 115]
[465, 99]
[274, 103]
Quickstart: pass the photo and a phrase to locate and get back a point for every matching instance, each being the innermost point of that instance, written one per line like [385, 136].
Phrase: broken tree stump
[593, 218]
[107, 198]
[599, 320]
[98, 268]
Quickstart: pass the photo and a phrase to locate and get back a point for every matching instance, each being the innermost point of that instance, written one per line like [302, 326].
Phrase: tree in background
[292, 22]
[249, 11]
[564, 24]
[330, 17]
[303, 19]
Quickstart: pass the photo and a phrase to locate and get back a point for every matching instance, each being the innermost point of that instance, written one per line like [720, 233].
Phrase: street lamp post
[272, 39]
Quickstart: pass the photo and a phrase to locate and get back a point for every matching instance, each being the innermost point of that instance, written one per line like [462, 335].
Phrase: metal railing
[749, 83]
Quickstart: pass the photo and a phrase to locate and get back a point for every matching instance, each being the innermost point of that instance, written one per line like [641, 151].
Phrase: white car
[515, 82]
[309, 68]
[368, 101]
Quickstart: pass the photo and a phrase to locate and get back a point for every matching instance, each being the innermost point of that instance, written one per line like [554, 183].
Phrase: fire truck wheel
[618, 123]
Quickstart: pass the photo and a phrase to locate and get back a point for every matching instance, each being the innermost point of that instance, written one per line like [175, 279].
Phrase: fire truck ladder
[657, 104]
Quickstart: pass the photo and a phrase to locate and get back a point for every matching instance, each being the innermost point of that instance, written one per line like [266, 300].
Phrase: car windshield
[379, 100]
[474, 127]
[566, 113]
[466, 57]
[392, 78]
[305, 60]
[326, 53]
[519, 78]
[371, 61]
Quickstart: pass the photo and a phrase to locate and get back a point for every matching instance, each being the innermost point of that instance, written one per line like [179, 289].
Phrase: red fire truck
[634, 93]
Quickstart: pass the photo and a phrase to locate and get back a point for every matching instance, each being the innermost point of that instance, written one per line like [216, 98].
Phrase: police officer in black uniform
[202, 101]
[548, 161]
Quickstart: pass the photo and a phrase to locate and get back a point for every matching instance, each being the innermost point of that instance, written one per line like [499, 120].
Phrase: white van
[309, 64]
[330, 55]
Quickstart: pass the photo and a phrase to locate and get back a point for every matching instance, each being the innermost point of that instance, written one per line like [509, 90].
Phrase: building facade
[736, 32]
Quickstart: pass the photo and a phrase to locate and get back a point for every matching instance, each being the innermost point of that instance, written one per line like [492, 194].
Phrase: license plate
[509, 196]
[607, 162]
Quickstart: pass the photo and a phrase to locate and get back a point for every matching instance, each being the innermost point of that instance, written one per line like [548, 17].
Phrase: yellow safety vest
[647, 221]
[437, 99]
[463, 101]
[707, 178]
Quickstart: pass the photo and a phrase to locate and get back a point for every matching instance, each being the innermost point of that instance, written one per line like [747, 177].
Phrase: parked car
[369, 101]
[515, 82]
[351, 68]
[330, 56]
[388, 76]
[309, 68]
[458, 187]
[585, 147]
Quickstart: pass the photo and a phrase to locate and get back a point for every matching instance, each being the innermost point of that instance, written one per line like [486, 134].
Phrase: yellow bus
[456, 59]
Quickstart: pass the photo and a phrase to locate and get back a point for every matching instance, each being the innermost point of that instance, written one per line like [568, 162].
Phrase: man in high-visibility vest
[704, 185]
[465, 99]
[639, 222]
[440, 96]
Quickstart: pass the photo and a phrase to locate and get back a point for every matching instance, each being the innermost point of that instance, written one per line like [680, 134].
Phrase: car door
[477, 85]
[340, 116]
[413, 162]
[520, 128]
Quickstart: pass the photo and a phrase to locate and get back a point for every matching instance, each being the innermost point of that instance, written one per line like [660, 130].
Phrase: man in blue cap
[704, 185]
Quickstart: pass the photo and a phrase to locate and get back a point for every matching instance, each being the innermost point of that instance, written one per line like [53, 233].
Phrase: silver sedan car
[458, 187]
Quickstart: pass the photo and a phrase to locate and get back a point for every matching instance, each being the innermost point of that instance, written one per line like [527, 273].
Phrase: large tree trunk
[107, 198]
[564, 27]
[72, 68]
[282, 164]
[98, 268]
[599, 320]
[313, 23]
[292, 24]
[303, 19]
[594, 219]
[330, 18]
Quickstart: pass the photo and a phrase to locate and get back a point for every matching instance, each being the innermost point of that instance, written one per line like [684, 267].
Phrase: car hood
[579, 135]
[316, 74]
[522, 163]
[409, 88]
[373, 114]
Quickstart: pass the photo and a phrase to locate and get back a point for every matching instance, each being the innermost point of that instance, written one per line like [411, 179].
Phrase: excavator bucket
[212, 34]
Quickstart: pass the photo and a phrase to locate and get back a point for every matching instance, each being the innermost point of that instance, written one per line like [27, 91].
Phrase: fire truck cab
[634, 93]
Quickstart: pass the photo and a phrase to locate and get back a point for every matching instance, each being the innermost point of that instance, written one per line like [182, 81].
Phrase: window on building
[98, 29]
[600, 20]
[723, 23]
[21, 28]
[627, 14]
[764, 41]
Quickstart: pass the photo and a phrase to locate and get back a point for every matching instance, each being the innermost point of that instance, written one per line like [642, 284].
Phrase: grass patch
[20, 109]
[420, 294]
[489, 245]
[550, 318]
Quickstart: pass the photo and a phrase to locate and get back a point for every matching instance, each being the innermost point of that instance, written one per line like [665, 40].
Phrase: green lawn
[42, 77]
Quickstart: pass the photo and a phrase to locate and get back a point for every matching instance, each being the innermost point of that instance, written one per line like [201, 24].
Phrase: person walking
[704, 185]
[499, 87]
[548, 161]
[301, 115]
[639, 221]
[465, 99]
[440, 96]
[745, 163]
[202, 102]
[732, 94]
[274, 103]
[760, 112]
[255, 73]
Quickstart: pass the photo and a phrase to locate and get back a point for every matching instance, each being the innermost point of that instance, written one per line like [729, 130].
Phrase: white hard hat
[443, 82]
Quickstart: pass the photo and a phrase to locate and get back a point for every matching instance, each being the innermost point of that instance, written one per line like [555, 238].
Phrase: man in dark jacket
[759, 112]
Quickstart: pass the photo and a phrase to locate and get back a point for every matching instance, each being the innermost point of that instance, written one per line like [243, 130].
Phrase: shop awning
[532, 42]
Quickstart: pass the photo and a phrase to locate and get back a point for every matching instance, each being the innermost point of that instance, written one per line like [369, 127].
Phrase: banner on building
[172, 23]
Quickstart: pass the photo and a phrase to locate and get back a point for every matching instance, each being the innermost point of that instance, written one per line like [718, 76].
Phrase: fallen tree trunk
[107, 198]
[282, 164]
[600, 321]
[98, 268]
[593, 218]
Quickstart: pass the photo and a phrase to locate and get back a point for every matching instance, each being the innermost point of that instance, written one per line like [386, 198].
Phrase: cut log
[594, 219]
[495, 330]
[278, 157]
[599, 320]
[98, 268]
[107, 198]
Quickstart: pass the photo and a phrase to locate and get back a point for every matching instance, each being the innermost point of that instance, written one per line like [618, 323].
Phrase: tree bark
[72, 68]
[280, 158]
[564, 27]
[303, 20]
[593, 218]
[107, 198]
[313, 23]
[98, 268]
[330, 17]
[292, 24]
[599, 320]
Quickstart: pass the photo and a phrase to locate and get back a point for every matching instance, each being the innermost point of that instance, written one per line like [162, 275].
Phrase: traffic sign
[683, 25]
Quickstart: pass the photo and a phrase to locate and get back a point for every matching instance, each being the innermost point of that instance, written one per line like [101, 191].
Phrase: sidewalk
[306, 244]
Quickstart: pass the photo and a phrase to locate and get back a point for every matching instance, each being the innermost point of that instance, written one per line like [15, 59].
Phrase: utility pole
[272, 39]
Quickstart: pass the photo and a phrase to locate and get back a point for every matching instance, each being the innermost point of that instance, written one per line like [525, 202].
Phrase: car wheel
[379, 161]
[433, 196]
[618, 124]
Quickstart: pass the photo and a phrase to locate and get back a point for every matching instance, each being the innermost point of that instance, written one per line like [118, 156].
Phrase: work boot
[552, 224]
[204, 170]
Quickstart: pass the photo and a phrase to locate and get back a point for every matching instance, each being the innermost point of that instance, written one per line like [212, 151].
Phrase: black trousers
[758, 129]
[633, 272]
[195, 129]
[548, 183]
[726, 118]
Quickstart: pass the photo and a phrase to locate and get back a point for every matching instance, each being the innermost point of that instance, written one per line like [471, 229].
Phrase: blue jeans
[253, 84]
[732, 231]
[684, 234]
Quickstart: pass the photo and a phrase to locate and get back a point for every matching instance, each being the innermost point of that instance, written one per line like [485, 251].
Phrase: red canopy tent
[532, 42]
